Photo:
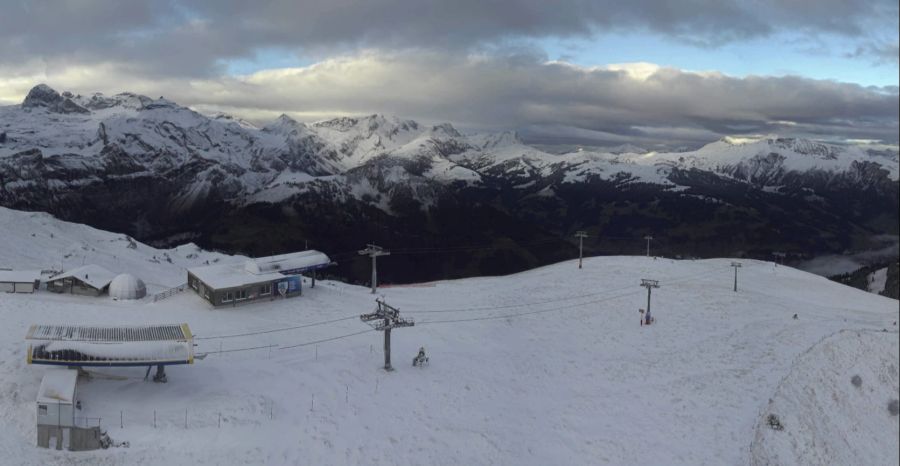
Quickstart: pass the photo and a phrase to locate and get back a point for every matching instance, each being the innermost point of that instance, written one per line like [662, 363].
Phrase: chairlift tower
[374, 251]
[736, 266]
[649, 284]
[648, 238]
[384, 319]
[581, 235]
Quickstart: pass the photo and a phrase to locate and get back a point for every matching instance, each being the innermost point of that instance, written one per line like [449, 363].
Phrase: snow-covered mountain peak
[445, 130]
[800, 146]
[284, 125]
[82, 137]
[626, 149]
[125, 100]
[161, 102]
[44, 96]
[487, 141]
[372, 125]
[231, 119]
[807, 147]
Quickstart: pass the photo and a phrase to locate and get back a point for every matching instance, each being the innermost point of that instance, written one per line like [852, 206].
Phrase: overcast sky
[594, 72]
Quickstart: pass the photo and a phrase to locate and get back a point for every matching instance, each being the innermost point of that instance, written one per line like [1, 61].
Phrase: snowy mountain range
[154, 169]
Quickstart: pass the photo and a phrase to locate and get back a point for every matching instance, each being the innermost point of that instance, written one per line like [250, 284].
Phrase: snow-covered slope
[834, 405]
[37, 241]
[548, 366]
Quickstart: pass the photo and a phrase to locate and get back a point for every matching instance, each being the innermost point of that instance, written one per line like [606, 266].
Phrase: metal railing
[171, 291]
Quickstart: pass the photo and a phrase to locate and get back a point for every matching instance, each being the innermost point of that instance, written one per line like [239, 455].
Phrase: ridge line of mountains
[165, 174]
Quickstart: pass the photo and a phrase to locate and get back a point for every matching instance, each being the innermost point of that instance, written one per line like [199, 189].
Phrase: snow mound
[127, 286]
[825, 417]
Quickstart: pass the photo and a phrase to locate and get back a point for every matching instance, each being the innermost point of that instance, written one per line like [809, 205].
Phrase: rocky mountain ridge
[154, 169]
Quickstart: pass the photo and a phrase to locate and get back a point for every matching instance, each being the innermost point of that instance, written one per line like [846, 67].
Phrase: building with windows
[264, 278]
[88, 280]
[19, 281]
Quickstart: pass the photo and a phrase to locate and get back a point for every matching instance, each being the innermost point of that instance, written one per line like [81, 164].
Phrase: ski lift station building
[57, 426]
[56, 398]
[87, 346]
[56, 408]
[263, 278]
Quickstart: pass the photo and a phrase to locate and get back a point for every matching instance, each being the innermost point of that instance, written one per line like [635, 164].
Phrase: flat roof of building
[58, 386]
[20, 276]
[259, 270]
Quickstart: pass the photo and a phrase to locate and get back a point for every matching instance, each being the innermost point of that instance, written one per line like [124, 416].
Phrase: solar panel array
[112, 334]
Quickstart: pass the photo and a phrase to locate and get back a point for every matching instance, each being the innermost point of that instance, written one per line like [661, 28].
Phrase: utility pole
[581, 235]
[374, 251]
[779, 257]
[736, 265]
[386, 318]
[648, 238]
[649, 284]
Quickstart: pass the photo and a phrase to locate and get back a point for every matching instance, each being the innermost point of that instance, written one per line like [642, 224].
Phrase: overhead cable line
[280, 329]
[471, 319]
[328, 339]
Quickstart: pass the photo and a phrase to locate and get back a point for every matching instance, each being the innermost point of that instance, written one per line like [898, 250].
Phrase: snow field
[826, 418]
[557, 370]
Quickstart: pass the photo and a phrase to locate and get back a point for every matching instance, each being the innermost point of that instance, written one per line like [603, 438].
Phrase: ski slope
[548, 366]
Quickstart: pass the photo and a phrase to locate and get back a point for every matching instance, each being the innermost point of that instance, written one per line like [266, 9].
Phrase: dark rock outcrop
[43, 96]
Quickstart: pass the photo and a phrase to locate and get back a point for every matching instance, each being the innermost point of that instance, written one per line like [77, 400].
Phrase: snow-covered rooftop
[20, 276]
[130, 353]
[259, 270]
[298, 261]
[58, 386]
[94, 275]
[110, 346]
[167, 332]
[230, 275]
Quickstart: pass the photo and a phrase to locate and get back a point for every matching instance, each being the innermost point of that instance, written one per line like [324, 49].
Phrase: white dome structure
[127, 286]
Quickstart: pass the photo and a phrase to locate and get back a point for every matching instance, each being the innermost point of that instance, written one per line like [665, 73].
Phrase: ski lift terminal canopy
[73, 345]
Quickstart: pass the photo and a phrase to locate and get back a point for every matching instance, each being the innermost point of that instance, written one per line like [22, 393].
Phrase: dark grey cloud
[467, 61]
[191, 38]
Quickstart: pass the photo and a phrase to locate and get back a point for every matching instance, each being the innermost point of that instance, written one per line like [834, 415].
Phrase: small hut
[19, 281]
[56, 408]
[88, 280]
[58, 427]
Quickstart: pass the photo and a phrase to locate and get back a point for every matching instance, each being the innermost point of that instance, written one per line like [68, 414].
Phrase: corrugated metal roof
[167, 332]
